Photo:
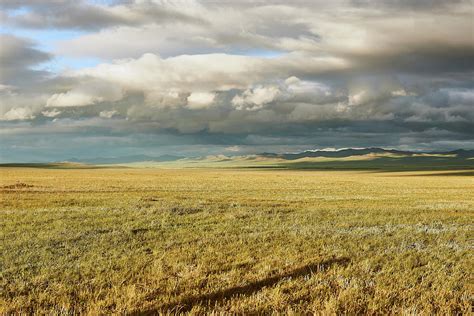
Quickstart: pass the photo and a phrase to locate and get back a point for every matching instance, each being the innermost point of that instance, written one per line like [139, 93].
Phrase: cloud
[196, 81]
[17, 57]
[272, 74]
[367, 37]
[206, 72]
[223, 93]
[107, 114]
[88, 16]
[86, 93]
[200, 100]
[19, 113]
[52, 113]
[233, 148]
[420, 5]
[255, 98]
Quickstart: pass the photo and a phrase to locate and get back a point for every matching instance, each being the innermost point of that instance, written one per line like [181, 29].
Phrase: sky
[84, 79]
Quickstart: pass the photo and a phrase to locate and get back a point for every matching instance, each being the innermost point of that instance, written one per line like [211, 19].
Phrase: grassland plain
[100, 241]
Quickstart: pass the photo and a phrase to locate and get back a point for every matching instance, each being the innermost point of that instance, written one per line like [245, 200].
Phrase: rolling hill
[348, 158]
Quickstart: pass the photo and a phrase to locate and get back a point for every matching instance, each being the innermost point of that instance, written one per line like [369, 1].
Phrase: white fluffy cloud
[255, 98]
[200, 100]
[87, 93]
[20, 113]
[52, 113]
[107, 114]
[181, 80]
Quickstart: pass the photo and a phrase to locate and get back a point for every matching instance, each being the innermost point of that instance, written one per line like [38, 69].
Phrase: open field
[102, 241]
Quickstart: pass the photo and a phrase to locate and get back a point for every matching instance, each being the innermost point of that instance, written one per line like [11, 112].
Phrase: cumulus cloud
[255, 98]
[199, 100]
[18, 114]
[107, 114]
[86, 93]
[192, 81]
[52, 113]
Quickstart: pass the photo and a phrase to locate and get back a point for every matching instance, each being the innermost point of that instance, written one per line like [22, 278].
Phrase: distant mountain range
[341, 153]
[125, 159]
[349, 152]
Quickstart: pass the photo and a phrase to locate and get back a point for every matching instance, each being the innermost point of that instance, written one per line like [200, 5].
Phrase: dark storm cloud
[24, 85]
[17, 56]
[426, 58]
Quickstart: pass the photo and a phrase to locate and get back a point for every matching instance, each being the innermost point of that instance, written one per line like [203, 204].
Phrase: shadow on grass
[390, 164]
[210, 299]
[378, 164]
[465, 173]
[382, 164]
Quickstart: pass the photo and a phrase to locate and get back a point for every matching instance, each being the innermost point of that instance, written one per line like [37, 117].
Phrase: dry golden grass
[243, 241]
